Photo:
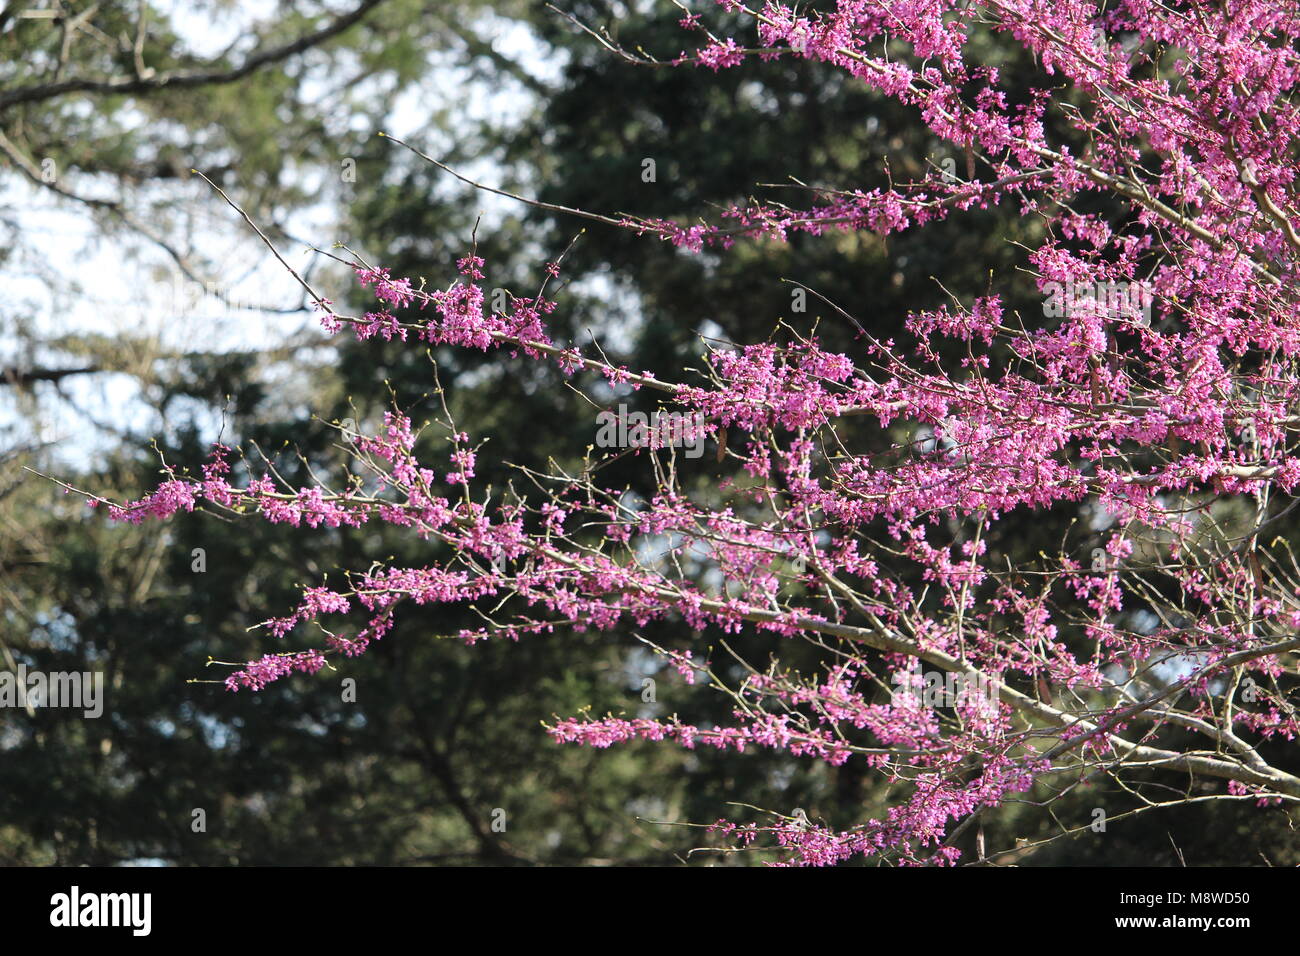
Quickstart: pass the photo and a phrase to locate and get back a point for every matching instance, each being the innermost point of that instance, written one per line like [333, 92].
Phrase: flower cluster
[854, 496]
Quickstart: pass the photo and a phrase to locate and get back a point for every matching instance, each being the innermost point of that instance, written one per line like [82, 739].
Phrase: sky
[127, 287]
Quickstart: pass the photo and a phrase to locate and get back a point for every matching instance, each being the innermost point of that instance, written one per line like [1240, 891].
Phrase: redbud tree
[850, 497]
